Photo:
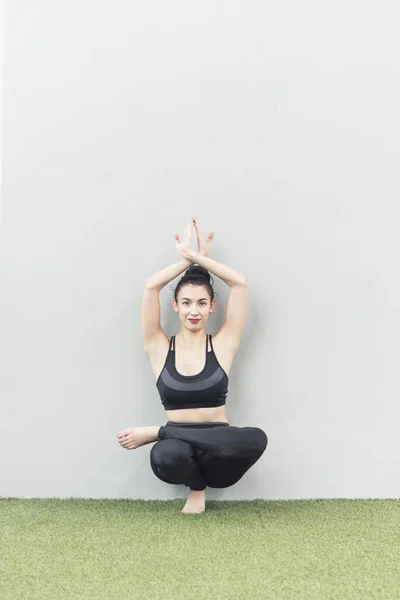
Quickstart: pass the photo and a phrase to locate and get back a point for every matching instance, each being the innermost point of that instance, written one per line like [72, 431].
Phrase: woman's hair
[196, 275]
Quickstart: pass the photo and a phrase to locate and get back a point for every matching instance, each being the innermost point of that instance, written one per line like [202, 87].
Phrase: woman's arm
[150, 318]
[161, 278]
[231, 277]
[236, 308]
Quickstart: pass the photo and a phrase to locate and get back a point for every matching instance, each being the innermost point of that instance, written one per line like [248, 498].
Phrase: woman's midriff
[197, 415]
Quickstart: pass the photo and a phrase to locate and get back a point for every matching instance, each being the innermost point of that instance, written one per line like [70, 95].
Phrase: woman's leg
[219, 440]
[223, 453]
[172, 461]
[224, 472]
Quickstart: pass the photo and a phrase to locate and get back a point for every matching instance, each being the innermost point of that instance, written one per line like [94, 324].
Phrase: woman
[197, 447]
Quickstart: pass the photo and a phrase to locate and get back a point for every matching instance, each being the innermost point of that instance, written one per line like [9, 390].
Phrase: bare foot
[195, 503]
[133, 437]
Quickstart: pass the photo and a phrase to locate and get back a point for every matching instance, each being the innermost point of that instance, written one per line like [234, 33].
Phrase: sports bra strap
[211, 344]
[171, 343]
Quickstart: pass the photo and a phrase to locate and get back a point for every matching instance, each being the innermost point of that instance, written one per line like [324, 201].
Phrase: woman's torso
[189, 363]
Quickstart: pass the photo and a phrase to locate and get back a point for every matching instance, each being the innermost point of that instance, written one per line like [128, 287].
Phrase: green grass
[120, 549]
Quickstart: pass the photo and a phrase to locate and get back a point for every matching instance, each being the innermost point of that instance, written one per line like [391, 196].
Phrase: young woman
[197, 447]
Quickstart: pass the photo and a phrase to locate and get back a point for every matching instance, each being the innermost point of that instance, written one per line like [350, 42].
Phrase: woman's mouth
[194, 320]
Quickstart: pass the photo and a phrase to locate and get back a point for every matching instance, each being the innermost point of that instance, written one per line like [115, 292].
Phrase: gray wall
[277, 126]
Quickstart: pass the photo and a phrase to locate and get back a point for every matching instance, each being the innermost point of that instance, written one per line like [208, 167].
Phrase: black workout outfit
[197, 455]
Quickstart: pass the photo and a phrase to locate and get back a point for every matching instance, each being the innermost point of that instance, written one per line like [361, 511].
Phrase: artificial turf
[130, 549]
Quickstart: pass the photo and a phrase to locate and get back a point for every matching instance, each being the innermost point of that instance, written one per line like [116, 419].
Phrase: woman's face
[194, 306]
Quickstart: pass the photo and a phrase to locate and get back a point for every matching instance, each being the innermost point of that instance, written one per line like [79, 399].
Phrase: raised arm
[150, 317]
[236, 308]
[151, 328]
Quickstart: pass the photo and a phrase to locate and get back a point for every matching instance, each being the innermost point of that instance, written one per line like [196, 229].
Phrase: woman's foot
[133, 437]
[195, 503]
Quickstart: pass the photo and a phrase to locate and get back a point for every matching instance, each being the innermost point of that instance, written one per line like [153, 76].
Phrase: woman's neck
[192, 340]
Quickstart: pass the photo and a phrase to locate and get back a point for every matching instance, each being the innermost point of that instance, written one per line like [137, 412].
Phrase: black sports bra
[207, 389]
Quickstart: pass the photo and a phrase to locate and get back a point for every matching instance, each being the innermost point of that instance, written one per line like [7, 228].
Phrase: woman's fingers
[199, 236]
[188, 230]
[196, 224]
[188, 227]
[203, 246]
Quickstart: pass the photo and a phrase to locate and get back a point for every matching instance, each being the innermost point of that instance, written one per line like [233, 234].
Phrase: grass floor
[126, 549]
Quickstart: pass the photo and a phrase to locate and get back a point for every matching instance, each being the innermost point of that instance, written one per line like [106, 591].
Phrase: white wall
[1, 88]
[277, 125]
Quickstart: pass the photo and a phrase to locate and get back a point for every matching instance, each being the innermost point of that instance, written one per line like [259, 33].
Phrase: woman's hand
[203, 246]
[184, 246]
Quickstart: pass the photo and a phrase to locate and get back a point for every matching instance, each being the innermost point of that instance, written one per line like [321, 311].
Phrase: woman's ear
[175, 306]
[213, 305]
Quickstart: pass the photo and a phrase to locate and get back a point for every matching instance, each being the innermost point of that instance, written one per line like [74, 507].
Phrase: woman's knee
[259, 438]
[167, 454]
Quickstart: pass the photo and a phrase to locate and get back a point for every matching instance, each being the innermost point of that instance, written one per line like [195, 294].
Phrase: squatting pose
[197, 447]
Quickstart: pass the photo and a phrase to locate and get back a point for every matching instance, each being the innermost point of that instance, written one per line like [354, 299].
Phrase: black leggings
[205, 454]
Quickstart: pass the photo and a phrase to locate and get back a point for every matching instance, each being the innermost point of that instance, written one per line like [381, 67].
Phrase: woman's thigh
[221, 455]
[169, 454]
[173, 461]
[224, 441]
[223, 472]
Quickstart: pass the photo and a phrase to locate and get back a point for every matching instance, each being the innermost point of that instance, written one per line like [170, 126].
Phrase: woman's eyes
[201, 303]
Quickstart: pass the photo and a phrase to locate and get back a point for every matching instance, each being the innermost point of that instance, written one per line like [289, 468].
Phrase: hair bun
[198, 272]
[196, 275]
